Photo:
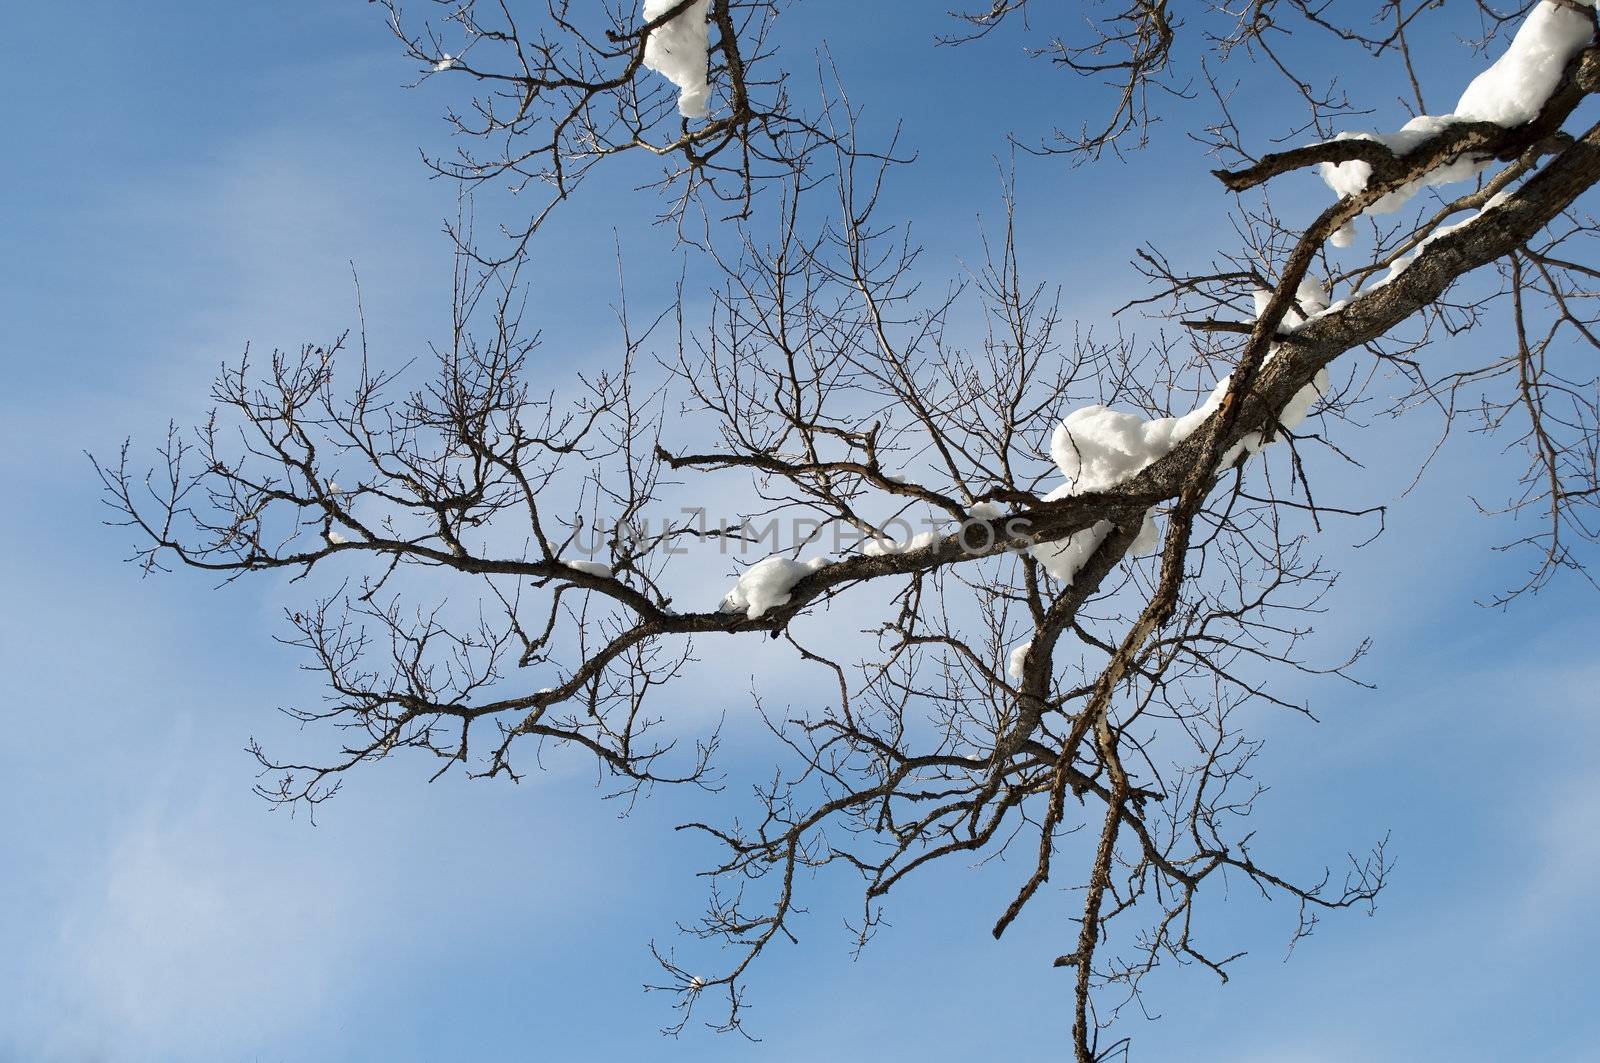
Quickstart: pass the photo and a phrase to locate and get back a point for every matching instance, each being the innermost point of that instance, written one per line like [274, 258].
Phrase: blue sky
[183, 181]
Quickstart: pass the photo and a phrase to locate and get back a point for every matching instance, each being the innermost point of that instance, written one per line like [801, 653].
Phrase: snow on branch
[1510, 93]
[1514, 105]
[766, 584]
[984, 702]
[678, 50]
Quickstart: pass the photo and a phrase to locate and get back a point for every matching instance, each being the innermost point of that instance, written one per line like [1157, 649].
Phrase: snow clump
[1098, 448]
[1018, 655]
[678, 52]
[884, 546]
[766, 584]
[1510, 93]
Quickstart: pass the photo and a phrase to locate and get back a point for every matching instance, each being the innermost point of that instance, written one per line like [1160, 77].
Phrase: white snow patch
[1310, 299]
[1148, 539]
[678, 52]
[1510, 93]
[1294, 414]
[1014, 662]
[1514, 90]
[1403, 263]
[1098, 448]
[884, 546]
[593, 568]
[1350, 178]
[766, 584]
[986, 511]
[336, 538]
[446, 61]
[1065, 557]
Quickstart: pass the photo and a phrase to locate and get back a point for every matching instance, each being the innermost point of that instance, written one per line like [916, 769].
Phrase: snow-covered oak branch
[1112, 547]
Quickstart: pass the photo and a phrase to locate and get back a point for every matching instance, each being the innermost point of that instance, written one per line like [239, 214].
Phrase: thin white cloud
[190, 940]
